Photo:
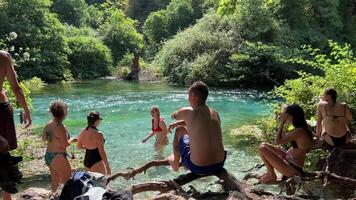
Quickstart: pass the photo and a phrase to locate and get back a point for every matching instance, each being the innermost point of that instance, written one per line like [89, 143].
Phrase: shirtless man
[8, 140]
[197, 140]
[332, 119]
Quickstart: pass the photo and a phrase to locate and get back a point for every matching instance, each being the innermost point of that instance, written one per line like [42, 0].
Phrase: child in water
[159, 129]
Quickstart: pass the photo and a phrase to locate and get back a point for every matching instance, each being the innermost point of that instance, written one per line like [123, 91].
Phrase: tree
[120, 35]
[72, 12]
[41, 32]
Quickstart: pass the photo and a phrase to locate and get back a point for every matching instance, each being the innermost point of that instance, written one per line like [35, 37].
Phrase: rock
[36, 194]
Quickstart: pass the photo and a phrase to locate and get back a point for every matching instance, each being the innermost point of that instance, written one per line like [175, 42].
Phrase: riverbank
[32, 149]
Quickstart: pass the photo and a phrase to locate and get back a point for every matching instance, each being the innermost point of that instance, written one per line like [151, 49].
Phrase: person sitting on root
[332, 119]
[159, 129]
[288, 163]
[57, 137]
[92, 140]
[197, 140]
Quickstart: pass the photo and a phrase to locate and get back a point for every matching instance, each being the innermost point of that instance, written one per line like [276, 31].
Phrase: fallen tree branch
[134, 172]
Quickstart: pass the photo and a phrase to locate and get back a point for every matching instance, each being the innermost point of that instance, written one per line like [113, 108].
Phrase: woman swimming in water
[159, 129]
[57, 137]
[288, 163]
[92, 140]
[332, 119]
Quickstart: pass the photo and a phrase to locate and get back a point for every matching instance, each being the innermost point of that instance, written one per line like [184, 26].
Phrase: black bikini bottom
[338, 141]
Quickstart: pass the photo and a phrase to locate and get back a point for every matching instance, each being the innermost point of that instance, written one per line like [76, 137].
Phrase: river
[125, 109]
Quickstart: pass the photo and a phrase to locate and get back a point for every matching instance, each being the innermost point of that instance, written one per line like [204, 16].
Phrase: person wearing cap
[92, 140]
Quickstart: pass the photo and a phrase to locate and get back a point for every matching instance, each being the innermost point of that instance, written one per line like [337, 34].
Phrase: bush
[89, 58]
[34, 83]
[12, 98]
[212, 38]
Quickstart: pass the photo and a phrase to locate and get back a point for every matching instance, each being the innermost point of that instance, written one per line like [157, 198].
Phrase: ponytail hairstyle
[92, 118]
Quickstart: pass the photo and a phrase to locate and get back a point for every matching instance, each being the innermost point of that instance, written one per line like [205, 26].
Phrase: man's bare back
[197, 141]
[203, 126]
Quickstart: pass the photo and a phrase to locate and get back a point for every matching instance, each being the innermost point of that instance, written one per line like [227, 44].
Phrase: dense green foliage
[73, 12]
[39, 30]
[164, 23]
[266, 35]
[215, 52]
[178, 15]
[339, 72]
[89, 58]
[120, 35]
[140, 9]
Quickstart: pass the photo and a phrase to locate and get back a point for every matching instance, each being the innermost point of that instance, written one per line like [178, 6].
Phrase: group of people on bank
[197, 142]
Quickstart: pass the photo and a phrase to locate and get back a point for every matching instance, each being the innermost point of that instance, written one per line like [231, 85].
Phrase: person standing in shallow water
[92, 140]
[197, 139]
[57, 137]
[8, 140]
[291, 162]
[333, 119]
[159, 129]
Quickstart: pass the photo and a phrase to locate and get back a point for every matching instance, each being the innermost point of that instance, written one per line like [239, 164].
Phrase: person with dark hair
[288, 163]
[197, 140]
[92, 140]
[333, 119]
[8, 140]
[159, 129]
[57, 137]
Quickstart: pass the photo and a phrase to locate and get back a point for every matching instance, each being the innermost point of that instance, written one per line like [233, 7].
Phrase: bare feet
[267, 178]
[174, 164]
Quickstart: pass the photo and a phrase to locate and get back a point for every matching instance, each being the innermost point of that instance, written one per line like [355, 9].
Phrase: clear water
[125, 109]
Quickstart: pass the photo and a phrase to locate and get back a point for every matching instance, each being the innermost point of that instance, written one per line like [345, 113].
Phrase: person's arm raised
[12, 78]
[182, 113]
[283, 138]
[175, 124]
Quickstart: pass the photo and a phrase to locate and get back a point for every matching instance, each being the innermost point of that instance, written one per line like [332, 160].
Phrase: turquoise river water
[125, 109]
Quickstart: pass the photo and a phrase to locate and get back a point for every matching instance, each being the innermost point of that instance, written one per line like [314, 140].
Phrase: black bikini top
[93, 127]
[334, 116]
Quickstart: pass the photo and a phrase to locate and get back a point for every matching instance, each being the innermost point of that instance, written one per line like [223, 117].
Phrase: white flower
[12, 35]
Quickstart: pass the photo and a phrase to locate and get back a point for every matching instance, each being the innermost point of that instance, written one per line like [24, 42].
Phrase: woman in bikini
[57, 137]
[288, 163]
[332, 119]
[159, 129]
[92, 140]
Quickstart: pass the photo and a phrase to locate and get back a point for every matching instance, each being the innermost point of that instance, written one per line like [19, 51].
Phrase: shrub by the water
[89, 58]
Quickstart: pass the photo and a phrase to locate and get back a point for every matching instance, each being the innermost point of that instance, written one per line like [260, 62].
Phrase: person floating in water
[197, 139]
[8, 140]
[57, 137]
[92, 140]
[332, 119]
[159, 129]
[288, 163]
